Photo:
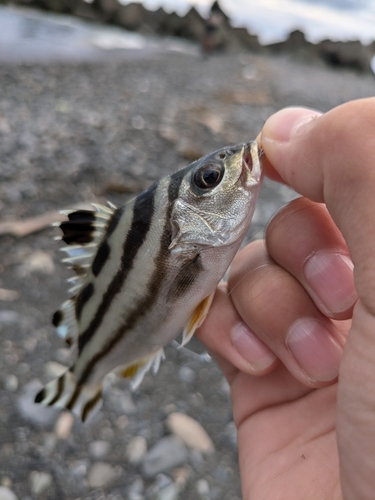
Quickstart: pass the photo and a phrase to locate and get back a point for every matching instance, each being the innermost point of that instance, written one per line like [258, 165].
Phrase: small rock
[101, 474]
[8, 317]
[32, 412]
[122, 401]
[39, 481]
[203, 489]
[8, 295]
[122, 422]
[99, 449]
[230, 433]
[39, 261]
[64, 425]
[7, 494]
[169, 452]
[135, 490]
[136, 450]
[138, 122]
[11, 383]
[53, 369]
[49, 441]
[186, 374]
[78, 468]
[190, 431]
[181, 475]
[225, 387]
[170, 492]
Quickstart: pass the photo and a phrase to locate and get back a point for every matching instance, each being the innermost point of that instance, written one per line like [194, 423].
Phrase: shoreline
[191, 27]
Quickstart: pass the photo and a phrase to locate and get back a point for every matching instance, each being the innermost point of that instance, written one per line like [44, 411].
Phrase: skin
[294, 328]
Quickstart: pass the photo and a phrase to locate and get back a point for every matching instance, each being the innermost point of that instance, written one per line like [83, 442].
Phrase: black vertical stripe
[82, 298]
[153, 287]
[73, 398]
[60, 389]
[185, 278]
[143, 211]
[90, 405]
[101, 258]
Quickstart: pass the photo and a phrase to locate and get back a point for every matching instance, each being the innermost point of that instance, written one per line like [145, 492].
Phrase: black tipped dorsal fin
[82, 233]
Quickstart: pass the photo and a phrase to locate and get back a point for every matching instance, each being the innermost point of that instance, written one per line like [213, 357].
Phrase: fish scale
[148, 271]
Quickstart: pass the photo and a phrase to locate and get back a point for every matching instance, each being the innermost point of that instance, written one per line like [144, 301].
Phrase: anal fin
[197, 318]
[64, 392]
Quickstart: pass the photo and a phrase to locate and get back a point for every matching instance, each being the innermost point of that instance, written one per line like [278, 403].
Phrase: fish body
[148, 270]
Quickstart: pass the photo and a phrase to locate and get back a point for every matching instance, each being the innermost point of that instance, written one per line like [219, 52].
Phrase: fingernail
[315, 350]
[330, 275]
[285, 124]
[257, 354]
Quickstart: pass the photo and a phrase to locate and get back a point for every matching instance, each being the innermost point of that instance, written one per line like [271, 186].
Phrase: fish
[148, 270]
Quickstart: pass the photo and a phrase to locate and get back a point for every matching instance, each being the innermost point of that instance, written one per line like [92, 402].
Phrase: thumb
[330, 158]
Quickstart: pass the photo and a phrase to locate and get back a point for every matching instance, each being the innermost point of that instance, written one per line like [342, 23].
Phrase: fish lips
[251, 164]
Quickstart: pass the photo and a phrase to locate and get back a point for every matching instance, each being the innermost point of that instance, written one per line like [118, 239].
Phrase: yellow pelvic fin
[137, 370]
[197, 318]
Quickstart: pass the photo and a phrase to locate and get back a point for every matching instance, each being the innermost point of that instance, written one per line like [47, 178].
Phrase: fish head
[217, 197]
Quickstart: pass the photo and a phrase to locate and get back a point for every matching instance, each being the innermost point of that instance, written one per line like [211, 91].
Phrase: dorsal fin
[82, 233]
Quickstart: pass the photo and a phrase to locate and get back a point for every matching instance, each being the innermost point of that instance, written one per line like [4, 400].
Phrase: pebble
[203, 489]
[136, 450]
[135, 490]
[99, 449]
[230, 433]
[169, 452]
[122, 401]
[8, 317]
[39, 482]
[39, 261]
[32, 412]
[11, 383]
[53, 369]
[64, 425]
[186, 374]
[190, 431]
[101, 474]
[170, 492]
[7, 494]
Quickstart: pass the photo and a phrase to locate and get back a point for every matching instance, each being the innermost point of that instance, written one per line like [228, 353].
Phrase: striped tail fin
[64, 392]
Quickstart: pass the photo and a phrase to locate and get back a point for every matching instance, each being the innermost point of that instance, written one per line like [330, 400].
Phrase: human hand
[291, 305]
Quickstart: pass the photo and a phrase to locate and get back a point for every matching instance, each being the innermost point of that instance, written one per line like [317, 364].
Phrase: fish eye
[222, 156]
[208, 176]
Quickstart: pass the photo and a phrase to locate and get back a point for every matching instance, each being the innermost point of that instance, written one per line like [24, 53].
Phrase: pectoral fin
[197, 318]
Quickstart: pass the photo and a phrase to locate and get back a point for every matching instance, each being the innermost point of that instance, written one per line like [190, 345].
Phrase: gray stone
[7, 494]
[101, 474]
[136, 450]
[32, 412]
[9, 317]
[186, 374]
[39, 481]
[11, 383]
[169, 452]
[98, 449]
[169, 492]
[135, 491]
[203, 489]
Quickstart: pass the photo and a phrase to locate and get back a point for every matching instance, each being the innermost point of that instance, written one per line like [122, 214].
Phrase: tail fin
[64, 392]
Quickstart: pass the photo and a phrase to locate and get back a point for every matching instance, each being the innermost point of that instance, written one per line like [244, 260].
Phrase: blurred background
[97, 101]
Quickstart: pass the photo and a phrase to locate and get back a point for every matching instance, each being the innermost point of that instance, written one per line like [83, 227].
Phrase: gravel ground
[90, 132]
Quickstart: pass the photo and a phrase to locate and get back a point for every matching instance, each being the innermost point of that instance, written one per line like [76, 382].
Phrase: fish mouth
[251, 161]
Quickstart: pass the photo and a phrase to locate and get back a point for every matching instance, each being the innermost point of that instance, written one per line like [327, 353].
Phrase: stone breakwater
[192, 26]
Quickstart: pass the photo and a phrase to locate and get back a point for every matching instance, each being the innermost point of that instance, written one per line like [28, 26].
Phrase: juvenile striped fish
[148, 270]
